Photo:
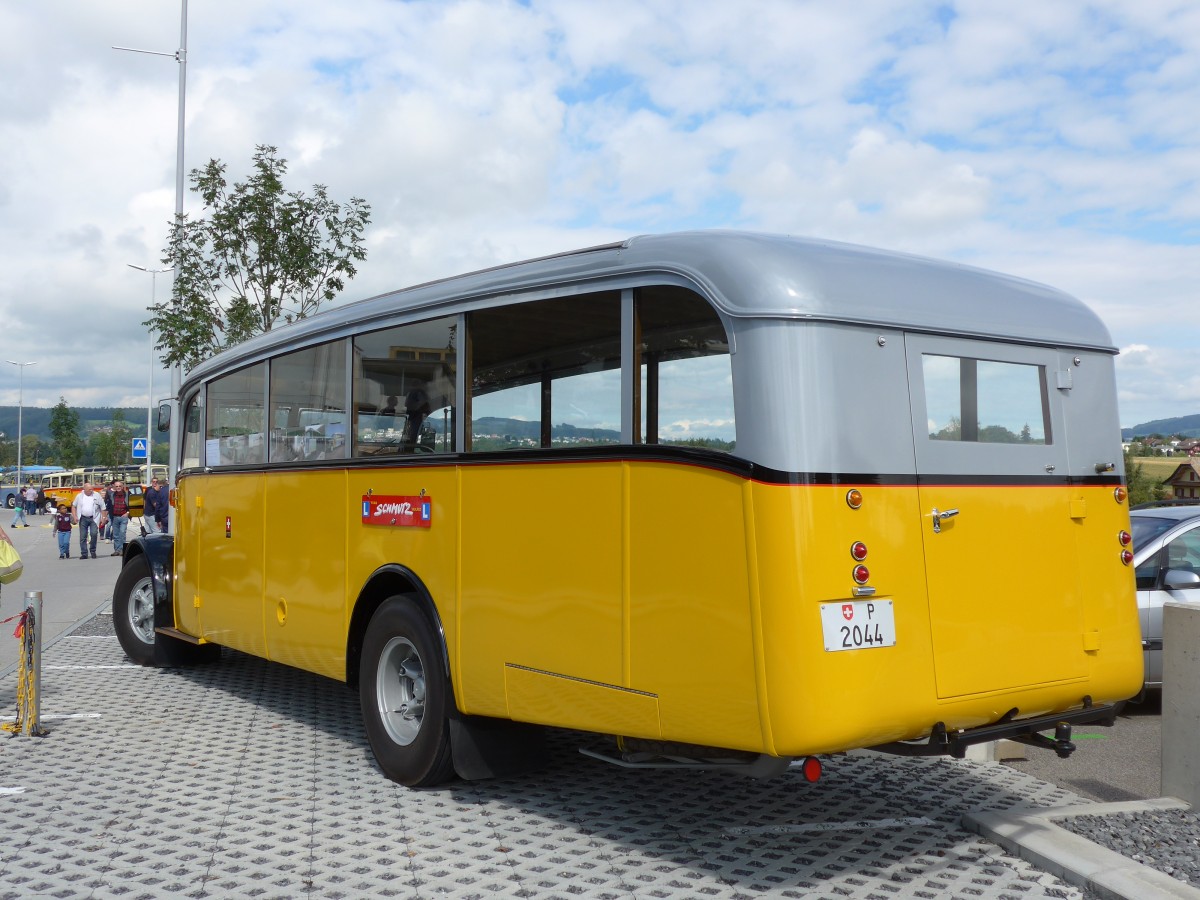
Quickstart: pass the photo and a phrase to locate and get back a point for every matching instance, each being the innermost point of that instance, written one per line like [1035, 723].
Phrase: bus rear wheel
[133, 611]
[405, 695]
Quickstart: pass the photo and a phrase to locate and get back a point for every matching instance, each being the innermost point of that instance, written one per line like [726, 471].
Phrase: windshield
[1147, 528]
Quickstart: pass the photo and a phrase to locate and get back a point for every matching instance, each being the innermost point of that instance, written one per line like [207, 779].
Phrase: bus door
[999, 541]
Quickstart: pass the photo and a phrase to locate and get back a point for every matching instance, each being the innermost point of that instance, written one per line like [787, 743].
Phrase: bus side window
[308, 399]
[193, 432]
[547, 373]
[236, 418]
[686, 377]
[404, 382]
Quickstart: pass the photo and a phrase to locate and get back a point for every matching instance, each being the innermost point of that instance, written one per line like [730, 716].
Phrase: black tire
[405, 695]
[11, 502]
[133, 610]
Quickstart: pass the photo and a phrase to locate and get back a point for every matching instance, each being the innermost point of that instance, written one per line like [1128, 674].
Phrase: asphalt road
[1123, 762]
[71, 589]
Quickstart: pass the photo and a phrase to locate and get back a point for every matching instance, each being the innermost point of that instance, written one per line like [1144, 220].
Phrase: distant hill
[36, 420]
[1184, 426]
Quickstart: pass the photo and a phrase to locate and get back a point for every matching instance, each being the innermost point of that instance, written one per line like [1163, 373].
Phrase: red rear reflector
[858, 550]
[861, 574]
[1119, 494]
[1125, 538]
[1127, 556]
[811, 769]
[854, 498]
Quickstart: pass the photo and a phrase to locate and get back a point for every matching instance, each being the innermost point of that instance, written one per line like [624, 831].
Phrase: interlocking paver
[250, 779]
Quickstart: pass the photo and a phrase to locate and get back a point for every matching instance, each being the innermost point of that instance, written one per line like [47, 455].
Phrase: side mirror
[1181, 579]
[164, 417]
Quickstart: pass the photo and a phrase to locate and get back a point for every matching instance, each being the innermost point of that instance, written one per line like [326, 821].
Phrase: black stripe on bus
[690, 456]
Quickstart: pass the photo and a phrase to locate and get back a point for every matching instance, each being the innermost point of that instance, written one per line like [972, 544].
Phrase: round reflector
[1125, 538]
[858, 550]
[854, 498]
[1119, 494]
[811, 769]
[861, 574]
[1127, 556]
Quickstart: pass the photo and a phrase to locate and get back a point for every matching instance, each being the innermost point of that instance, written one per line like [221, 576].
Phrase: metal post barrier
[29, 670]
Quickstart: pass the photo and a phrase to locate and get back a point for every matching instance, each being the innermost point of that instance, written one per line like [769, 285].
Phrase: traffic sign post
[139, 448]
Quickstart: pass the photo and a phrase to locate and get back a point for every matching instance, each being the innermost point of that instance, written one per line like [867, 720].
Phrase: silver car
[1166, 561]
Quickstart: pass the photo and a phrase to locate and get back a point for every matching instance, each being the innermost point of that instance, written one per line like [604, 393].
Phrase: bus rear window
[985, 401]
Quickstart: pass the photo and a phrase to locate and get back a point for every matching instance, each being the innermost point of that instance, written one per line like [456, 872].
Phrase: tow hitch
[944, 742]
[1060, 743]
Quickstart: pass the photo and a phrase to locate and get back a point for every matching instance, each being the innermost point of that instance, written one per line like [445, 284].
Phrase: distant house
[1185, 480]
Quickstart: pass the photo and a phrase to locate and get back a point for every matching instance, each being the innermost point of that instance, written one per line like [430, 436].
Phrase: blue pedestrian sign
[139, 448]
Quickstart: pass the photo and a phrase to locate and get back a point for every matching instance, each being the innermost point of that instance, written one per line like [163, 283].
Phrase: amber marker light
[1119, 494]
[861, 574]
[854, 498]
[858, 550]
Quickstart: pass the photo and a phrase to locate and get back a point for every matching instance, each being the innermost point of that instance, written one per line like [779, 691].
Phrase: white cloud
[1055, 141]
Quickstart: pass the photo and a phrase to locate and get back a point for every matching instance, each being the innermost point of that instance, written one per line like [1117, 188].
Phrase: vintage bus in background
[730, 499]
[9, 487]
[61, 487]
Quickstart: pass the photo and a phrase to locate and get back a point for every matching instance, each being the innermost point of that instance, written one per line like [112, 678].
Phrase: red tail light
[861, 574]
[1127, 556]
[858, 550]
[1125, 538]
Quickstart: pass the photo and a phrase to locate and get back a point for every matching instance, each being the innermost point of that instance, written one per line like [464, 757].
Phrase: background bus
[9, 488]
[734, 499]
[61, 487]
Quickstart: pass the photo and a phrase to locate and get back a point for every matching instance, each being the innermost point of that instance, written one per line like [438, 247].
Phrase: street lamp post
[154, 273]
[20, 413]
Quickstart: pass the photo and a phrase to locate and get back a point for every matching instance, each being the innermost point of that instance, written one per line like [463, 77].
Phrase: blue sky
[1055, 141]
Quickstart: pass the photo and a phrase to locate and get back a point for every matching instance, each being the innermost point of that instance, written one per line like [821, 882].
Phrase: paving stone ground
[251, 779]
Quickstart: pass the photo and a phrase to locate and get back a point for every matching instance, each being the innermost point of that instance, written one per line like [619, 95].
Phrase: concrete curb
[1033, 835]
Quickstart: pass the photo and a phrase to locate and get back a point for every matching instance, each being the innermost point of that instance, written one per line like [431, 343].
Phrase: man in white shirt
[87, 511]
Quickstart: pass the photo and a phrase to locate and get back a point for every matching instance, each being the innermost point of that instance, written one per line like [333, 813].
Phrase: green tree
[64, 429]
[112, 447]
[1143, 488]
[262, 254]
[32, 450]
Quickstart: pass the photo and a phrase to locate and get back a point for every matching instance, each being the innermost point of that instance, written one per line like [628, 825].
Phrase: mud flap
[489, 748]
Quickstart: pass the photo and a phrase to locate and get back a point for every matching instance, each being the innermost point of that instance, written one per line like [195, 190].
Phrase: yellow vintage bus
[62, 487]
[732, 500]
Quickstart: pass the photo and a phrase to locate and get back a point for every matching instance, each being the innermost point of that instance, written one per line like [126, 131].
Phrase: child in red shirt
[62, 527]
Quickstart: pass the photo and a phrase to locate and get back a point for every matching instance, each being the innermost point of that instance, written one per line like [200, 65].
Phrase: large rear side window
[985, 401]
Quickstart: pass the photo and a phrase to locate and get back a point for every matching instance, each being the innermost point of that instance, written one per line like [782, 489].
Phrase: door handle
[939, 516]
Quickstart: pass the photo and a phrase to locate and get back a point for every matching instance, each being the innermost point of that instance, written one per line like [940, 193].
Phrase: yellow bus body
[626, 611]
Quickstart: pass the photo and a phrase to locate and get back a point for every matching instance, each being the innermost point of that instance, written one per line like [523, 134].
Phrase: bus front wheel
[133, 611]
[405, 696]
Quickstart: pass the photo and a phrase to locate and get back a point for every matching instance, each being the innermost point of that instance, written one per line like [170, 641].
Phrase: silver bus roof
[745, 275]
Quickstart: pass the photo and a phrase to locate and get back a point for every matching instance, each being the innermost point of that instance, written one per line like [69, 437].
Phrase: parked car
[1166, 561]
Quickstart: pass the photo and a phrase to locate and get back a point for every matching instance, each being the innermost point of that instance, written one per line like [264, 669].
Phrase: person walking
[62, 528]
[157, 505]
[117, 503]
[88, 512]
[18, 511]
